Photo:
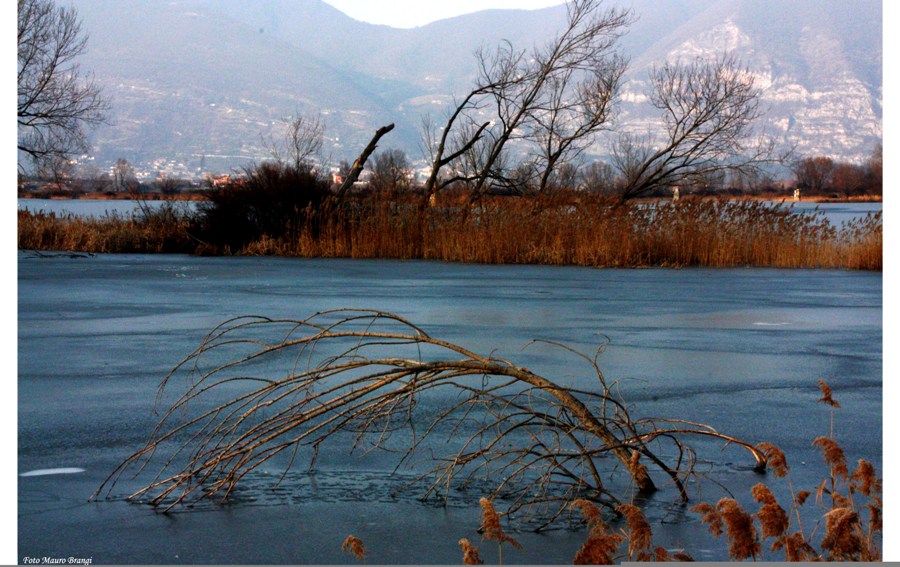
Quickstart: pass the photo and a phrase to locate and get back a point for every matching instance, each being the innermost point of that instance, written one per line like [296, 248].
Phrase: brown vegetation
[601, 544]
[354, 546]
[824, 176]
[566, 229]
[491, 530]
[166, 232]
[535, 442]
[470, 553]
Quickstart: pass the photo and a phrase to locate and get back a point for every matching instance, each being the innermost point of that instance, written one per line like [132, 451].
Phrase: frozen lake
[94, 207]
[738, 349]
[836, 213]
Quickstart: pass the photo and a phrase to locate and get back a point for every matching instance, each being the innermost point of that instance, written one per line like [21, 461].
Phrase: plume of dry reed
[797, 549]
[827, 398]
[354, 546]
[740, 530]
[775, 459]
[842, 540]
[772, 517]
[730, 518]
[639, 534]
[490, 527]
[834, 456]
[864, 479]
[662, 555]
[470, 553]
[602, 544]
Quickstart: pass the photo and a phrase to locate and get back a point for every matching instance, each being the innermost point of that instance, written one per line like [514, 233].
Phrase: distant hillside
[198, 82]
[819, 64]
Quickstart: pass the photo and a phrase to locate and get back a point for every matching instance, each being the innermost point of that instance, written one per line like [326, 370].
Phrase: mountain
[188, 83]
[819, 65]
[196, 84]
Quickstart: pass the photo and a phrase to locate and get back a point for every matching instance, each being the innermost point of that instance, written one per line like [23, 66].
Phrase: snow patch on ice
[47, 472]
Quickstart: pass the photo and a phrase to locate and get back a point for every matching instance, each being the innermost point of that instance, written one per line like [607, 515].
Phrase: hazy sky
[413, 13]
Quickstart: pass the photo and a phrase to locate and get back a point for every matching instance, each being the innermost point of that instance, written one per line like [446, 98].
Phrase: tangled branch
[539, 443]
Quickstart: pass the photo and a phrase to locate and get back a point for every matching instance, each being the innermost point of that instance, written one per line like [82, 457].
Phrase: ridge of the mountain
[197, 83]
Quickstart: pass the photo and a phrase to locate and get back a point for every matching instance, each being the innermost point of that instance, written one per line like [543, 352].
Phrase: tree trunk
[361, 160]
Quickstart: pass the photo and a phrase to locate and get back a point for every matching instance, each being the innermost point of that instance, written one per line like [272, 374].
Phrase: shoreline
[201, 196]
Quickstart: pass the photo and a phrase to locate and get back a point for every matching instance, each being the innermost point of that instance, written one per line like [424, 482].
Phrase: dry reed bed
[583, 231]
[113, 233]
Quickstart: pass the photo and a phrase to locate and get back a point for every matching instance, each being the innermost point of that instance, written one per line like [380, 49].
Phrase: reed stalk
[568, 229]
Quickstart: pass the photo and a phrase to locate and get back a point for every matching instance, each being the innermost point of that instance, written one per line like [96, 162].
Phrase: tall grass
[568, 229]
[163, 230]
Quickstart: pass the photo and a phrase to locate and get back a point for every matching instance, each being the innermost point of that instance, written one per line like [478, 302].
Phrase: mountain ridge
[198, 83]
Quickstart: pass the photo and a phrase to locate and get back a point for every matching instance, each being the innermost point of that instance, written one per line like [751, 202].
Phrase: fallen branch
[537, 442]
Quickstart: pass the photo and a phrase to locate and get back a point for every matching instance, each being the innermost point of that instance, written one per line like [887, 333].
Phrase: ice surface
[48, 472]
[739, 349]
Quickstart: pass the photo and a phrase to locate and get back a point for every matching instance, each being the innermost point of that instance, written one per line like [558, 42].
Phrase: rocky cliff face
[818, 66]
[199, 82]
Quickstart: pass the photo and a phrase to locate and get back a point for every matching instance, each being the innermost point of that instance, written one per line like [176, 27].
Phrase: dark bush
[273, 199]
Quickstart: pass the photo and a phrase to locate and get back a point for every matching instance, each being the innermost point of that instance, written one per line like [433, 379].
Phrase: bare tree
[814, 174]
[360, 161]
[597, 177]
[751, 181]
[56, 101]
[848, 179]
[575, 110]
[169, 185]
[357, 376]
[708, 110]
[391, 170]
[93, 179]
[555, 97]
[438, 148]
[123, 176]
[428, 142]
[300, 143]
[874, 171]
[56, 169]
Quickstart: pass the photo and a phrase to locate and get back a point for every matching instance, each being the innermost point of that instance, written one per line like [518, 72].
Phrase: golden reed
[354, 546]
[568, 229]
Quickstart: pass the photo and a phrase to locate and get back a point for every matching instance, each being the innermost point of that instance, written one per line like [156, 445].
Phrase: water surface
[836, 213]
[740, 349]
[96, 208]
